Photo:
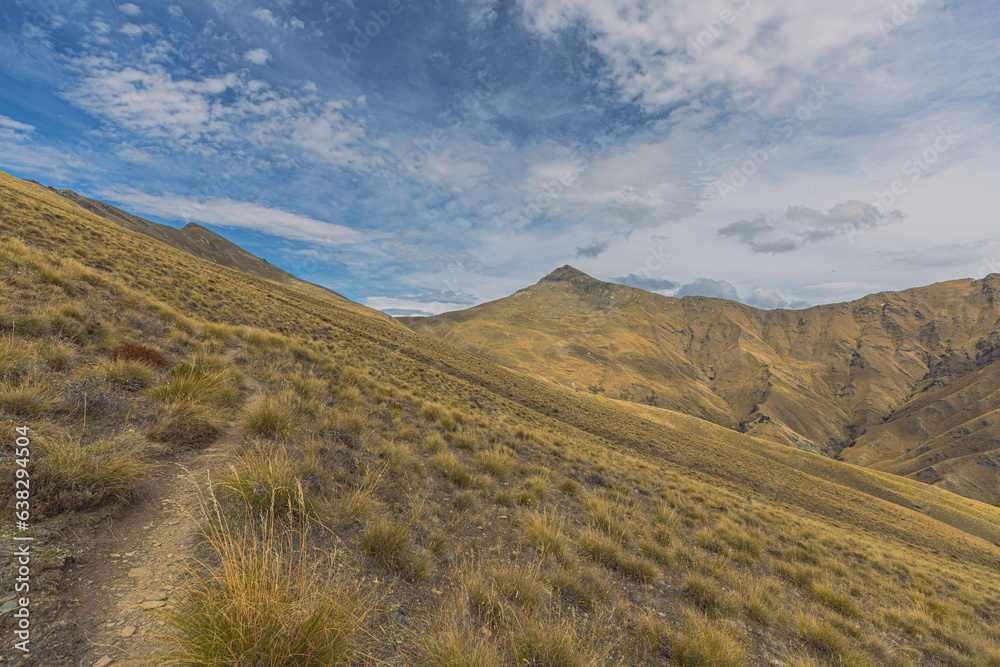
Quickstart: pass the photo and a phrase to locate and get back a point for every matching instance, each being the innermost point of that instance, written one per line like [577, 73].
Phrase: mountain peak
[567, 273]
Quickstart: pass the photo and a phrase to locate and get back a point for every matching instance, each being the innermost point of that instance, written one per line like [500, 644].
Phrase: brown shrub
[146, 355]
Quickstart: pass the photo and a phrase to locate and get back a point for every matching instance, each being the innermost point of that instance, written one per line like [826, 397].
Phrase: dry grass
[543, 533]
[701, 643]
[266, 483]
[270, 418]
[70, 476]
[267, 600]
[394, 445]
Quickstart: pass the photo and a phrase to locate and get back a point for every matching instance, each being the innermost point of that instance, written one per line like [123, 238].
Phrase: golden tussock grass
[265, 598]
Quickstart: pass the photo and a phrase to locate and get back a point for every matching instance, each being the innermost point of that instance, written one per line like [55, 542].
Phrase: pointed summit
[567, 273]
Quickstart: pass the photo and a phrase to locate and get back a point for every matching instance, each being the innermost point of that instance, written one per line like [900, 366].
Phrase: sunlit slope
[262, 303]
[826, 379]
[607, 525]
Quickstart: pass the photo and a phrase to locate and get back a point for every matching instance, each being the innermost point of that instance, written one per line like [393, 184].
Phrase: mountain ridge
[202, 242]
[839, 379]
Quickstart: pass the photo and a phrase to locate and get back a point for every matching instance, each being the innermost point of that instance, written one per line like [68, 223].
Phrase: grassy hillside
[904, 382]
[396, 500]
[206, 244]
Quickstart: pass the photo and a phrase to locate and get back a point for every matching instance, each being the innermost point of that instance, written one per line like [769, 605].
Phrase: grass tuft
[266, 602]
[69, 476]
[543, 533]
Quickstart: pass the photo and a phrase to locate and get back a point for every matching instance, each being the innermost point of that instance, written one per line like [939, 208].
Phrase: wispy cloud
[240, 214]
[492, 142]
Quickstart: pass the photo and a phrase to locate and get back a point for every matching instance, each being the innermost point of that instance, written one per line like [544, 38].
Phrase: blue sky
[425, 157]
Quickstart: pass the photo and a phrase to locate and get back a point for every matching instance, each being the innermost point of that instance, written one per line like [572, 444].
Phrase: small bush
[597, 546]
[609, 517]
[140, 353]
[192, 384]
[839, 602]
[130, 374]
[387, 543]
[188, 425]
[638, 568]
[466, 442]
[549, 643]
[359, 502]
[821, 635]
[455, 647]
[703, 592]
[26, 399]
[15, 357]
[266, 483]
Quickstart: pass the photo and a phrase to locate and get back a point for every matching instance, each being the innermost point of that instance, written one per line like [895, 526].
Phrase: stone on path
[103, 662]
[128, 631]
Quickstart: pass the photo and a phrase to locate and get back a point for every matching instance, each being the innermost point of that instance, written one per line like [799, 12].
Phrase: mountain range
[228, 465]
[904, 382]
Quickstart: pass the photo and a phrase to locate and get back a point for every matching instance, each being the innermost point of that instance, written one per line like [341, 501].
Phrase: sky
[423, 157]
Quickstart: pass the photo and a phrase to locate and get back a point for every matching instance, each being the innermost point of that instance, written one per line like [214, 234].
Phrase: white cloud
[331, 137]
[130, 9]
[216, 114]
[720, 289]
[799, 225]
[265, 16]
[257, 56]
[132, 30]
[153, 103]
[18, 150]
[669, 51]
[404, 306]
[11, 124]
[242, 214]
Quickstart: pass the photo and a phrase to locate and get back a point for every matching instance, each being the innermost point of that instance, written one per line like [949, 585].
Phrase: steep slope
[452, 511]
[902, 381]
[206, 244]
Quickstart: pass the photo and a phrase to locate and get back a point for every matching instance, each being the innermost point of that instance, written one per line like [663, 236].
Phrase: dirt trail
[133, 567]
[128, 571]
